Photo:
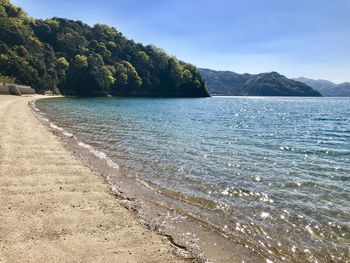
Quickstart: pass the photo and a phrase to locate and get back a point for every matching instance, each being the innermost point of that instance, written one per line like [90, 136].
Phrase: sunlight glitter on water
[272, 171]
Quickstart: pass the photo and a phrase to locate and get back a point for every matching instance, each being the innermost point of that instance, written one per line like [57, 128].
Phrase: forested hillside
[229, 83]
[76, 59]
[328, 88]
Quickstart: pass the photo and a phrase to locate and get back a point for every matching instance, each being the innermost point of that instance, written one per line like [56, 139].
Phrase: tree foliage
[88, 61]
[7, 79]
[228, 83]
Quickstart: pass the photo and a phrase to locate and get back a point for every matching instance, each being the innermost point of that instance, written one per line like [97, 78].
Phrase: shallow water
[272, 172]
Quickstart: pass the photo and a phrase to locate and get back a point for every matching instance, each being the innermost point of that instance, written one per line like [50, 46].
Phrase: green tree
[134, 81]
[121, 79]
[80, 61]
[7, 79]
[90, 61]
[175, 73]
[61, 68]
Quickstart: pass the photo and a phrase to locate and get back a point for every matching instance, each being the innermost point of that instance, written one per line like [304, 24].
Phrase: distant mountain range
[328, 88]
[227, 83]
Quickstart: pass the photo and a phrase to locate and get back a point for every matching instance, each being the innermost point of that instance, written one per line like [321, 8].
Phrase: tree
[69, 42]
[62, 67]
[7, 79]
[175, 73]
[100, 74]
[121, 79]
[134, 81]
[80, 61]
[90, 61]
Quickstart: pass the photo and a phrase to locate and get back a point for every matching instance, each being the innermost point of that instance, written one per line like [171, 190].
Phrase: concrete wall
[25, 90]
[13, 89]
[4, 90]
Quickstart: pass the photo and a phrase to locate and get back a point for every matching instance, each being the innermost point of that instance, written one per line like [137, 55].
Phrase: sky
[309, 38]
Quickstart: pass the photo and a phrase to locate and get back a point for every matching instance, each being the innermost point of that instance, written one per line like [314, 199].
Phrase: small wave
[54, 126]
[37, 112]
[99, 154]
[147, 185]
[32, 105]
[112, 164]
[64, 132]
[68, 134]
[194, 200]
[84, 145]
[42, 118]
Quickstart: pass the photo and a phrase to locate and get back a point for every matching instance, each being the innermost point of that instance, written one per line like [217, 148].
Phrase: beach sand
[55, 209]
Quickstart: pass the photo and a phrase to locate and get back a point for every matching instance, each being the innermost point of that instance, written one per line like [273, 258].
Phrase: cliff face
[228, 83]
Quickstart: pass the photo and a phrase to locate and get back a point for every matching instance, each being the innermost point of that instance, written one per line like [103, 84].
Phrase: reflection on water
[274, 172]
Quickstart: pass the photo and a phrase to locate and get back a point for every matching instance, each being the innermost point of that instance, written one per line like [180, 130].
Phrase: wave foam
[32, 104]
[64, 132]
[68, 134]
[84, 145]
[99, 154]
[42, 118]
[54, 126]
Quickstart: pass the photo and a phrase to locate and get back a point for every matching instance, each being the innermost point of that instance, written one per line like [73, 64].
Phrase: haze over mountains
[327, 88]
[227, 83]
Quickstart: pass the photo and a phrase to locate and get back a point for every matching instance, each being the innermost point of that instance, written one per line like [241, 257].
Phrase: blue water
[277, 169]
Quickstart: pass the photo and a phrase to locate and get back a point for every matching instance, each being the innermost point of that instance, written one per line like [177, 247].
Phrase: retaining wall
[13, 89]
[4, 90]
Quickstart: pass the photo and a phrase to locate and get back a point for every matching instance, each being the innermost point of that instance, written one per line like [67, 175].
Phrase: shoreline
[56, 209]
[185, 234]
[155, 208]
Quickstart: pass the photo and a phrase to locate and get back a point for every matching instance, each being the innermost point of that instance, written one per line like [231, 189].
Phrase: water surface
[274, 172]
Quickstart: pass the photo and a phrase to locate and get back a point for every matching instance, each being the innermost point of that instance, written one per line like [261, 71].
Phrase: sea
[274, 172]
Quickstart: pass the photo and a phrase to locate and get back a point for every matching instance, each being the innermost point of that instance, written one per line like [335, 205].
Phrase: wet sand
[55, 209]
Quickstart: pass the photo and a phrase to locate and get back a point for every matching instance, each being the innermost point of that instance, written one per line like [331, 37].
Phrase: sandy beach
[55, 209]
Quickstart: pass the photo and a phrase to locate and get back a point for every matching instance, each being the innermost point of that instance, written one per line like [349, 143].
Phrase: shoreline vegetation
[72, 58]
[56, 209]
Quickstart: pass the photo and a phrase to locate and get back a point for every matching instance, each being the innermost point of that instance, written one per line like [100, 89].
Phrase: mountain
[75, 59]
[227, 83]
[328, 88]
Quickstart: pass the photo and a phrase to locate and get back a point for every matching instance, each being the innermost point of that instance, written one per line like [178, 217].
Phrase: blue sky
[309, 38]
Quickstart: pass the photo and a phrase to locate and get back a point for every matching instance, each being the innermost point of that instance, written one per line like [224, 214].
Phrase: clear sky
[309, 38]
